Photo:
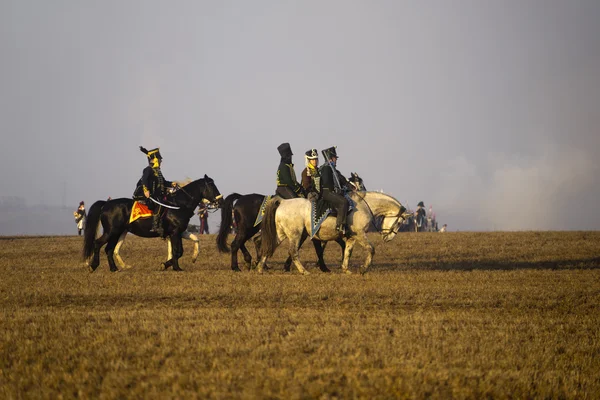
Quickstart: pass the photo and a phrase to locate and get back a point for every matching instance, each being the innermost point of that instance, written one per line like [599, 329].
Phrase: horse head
[356, 183]
[199, 191]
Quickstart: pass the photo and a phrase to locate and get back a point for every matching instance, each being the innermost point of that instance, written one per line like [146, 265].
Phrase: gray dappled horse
[291, 219]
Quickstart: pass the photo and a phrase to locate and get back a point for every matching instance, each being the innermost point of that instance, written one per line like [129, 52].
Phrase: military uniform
[311, 179]
[331, 189]
[154, 182]
[287, 185]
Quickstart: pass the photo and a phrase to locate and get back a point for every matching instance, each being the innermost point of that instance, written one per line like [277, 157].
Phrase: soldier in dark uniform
[287, 185]
[153, 184]
[311, 180]
[331, 189]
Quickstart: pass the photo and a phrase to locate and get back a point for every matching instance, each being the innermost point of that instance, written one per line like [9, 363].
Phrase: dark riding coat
[153, 180]
[286, 177]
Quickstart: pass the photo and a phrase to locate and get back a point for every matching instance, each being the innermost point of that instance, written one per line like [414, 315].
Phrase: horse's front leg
[196, 240]
[348, 253]
[177, 252]
[364, 242]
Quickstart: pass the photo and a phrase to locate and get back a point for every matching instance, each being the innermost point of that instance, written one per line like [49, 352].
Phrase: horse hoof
[363, 271]
[305, 273]
[347, 272]
[324, 269]
[236, 269]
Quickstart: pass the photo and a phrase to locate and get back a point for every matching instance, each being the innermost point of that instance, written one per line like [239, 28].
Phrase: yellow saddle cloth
[139, 210]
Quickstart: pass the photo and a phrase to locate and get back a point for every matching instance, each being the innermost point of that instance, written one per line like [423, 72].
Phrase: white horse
[291, 219]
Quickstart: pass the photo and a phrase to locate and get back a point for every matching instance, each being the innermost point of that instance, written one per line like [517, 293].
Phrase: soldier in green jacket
[287, 185]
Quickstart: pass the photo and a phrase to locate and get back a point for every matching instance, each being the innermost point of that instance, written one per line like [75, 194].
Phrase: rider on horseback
[287, 185]
[332, 189]
[311, 179]
[152, 185]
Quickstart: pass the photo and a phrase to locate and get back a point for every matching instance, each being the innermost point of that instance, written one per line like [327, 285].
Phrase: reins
[380, 231]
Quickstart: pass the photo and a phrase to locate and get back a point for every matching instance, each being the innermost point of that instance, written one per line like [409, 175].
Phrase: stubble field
[454, 315]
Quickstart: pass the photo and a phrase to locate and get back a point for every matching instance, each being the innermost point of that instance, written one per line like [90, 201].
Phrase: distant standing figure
[443, 228]
[80, 217]
[203, 214]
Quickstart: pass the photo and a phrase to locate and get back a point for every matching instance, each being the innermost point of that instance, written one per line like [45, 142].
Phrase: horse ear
[205, 176]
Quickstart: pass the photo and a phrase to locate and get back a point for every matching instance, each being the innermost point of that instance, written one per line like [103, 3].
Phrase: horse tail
[226, 220]
[91, 227]
[269, 230]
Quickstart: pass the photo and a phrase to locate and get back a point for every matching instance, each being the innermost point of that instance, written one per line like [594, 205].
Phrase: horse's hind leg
[288, 263]
[257, 245]
[110, 248]
[294, 250]
[116, 252]
[98, 243]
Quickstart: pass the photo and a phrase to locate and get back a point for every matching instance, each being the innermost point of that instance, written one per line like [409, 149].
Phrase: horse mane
[361, 195]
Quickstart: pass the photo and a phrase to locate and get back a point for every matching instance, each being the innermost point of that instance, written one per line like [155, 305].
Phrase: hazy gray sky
[489, 111]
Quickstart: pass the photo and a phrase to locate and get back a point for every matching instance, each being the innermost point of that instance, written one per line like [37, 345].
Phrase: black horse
[115, 214]
[246, 210]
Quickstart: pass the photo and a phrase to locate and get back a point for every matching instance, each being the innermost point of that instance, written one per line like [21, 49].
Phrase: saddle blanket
[261, 210]
[321, 209]
[139, 210]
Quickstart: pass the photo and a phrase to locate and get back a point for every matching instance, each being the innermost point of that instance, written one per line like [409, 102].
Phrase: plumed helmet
[330, 152]
[151, 154]
[285, 150]
[420, 204]
[81, 203]
[312, 154]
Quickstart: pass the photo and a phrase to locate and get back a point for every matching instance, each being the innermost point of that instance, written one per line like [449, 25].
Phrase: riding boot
[156, 227]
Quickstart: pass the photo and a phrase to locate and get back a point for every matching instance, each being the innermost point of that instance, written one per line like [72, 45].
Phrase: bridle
[202, 199]
[387, 231]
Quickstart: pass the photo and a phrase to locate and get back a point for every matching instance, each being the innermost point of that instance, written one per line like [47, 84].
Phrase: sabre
[164, 205]
[335, 175]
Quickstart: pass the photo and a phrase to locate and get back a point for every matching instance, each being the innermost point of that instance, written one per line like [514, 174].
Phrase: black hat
[312, 154]
[285, 150]
[421, 204]
[151, 154]
[330, 152]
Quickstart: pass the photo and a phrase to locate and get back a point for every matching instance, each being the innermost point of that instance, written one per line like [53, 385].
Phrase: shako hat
[312, 154]
[285, 150]
[330, 152]
[151, 154]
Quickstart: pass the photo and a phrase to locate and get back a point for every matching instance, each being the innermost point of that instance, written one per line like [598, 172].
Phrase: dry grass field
[454, 315]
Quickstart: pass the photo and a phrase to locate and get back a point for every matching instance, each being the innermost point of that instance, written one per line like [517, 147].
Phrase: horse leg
[193, 237]
[116, 252]
[177, 252]
[110, 248]
[364, 242]
[238, 242]
[288, 263]
[347, 254]
[294, 248]
[257, 243]
[261, 263]
[98, 243]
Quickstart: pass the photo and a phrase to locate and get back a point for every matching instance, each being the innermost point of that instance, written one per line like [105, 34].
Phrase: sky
[487, 111]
